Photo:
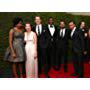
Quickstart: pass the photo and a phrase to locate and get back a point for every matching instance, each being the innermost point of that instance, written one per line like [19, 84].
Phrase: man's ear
[41, 21]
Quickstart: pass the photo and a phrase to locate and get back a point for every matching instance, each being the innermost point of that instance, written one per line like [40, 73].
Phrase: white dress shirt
[52, 29]
[72, 32]
[62, 31]
[40, 28]
[83, 30]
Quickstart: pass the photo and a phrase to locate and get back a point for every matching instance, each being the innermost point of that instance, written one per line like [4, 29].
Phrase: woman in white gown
[31, 52]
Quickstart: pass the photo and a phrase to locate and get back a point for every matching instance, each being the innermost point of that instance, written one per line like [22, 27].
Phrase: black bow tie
[51, 26]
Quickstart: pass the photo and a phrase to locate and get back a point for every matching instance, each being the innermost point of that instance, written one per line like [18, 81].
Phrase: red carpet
[61, 74]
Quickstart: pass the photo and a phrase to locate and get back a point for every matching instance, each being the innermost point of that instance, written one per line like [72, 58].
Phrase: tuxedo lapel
[35, 30]
[65, 32]
[74, 33]
[49, 31]
[55, 32]
[43, 29]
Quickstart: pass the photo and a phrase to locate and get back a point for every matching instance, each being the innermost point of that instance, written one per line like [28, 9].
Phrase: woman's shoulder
[11, 30]
[25, 32]
[33, 32]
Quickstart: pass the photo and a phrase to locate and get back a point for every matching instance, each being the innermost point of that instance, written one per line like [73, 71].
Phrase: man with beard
[62, 46]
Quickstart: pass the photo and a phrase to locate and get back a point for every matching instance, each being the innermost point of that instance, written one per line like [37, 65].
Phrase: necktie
[62, 33]
[38, 30]
[51, 26]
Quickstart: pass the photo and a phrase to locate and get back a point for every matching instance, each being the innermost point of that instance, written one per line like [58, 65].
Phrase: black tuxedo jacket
[62, 42]
[51, 39]
[42, 38]
[77, 41]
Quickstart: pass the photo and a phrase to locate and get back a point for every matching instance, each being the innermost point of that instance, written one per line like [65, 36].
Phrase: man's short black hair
[72, 22]
[50, 18]
[63, 21]
[38, 16]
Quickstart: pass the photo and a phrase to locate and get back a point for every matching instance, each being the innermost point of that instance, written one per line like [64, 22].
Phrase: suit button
[52, 39]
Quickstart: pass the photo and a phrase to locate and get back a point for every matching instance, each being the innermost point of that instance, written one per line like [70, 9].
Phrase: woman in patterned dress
[16, 43]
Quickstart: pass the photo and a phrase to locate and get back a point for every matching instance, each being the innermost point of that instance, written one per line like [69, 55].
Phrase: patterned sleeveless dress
[18, 45]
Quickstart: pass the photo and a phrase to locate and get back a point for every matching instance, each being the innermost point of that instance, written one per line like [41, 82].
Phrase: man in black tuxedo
[77, 49]
[51, 33]
[42, 43]
[62, 46]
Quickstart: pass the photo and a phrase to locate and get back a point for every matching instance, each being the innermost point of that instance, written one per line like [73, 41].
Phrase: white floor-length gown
[31, 63]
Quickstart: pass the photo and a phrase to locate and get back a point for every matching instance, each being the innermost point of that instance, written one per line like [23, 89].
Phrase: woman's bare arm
[24, 37]
[11, 41]
[35, 41]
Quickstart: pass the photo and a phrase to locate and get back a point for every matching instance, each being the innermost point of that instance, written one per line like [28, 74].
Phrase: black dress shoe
[73, 74]
[65, 70]
[39, 73]
[80, 76]
[47, 76]
[56, 68]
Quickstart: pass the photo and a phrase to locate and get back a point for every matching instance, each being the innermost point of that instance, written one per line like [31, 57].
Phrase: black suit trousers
[61, 57]
[78, 63]
[51, 55]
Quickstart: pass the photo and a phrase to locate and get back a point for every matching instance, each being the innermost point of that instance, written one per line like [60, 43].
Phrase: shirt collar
[49, 25]
[39, 25]
[62, 29]
[74, 29]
